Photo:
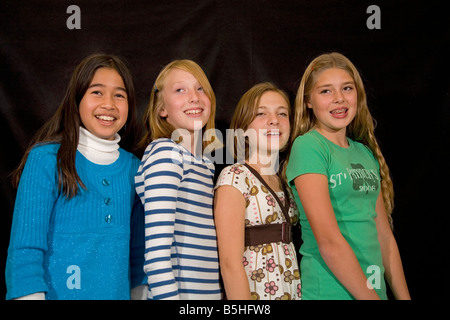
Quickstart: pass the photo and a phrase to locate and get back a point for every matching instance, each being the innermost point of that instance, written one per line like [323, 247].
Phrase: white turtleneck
[98, 150]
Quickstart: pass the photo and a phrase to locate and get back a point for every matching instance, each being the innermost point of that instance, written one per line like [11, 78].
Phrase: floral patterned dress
[272, 268]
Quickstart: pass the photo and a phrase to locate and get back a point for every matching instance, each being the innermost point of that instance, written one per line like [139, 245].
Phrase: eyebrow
[264, 107]
[330, 85]
[103, 86]
[183, 82]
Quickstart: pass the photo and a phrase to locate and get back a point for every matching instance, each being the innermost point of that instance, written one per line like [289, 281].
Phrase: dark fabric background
[239, 43]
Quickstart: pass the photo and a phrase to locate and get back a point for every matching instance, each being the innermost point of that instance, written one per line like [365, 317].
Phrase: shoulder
[129, 158]
[310, 140]
[45, 148]
[236, 169]
[163, 148]
[162, 154]
[44, 152]
[364, 150]
[235, 175]
[310, 153]
[161, 144]
[310, 147]
[41, 162]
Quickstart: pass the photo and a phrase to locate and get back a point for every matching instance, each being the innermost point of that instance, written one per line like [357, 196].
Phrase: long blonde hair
[362, 127]
[156, 126]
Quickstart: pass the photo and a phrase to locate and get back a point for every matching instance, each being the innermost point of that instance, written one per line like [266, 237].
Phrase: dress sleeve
[234, 176]
[157, 183]
[36, 195]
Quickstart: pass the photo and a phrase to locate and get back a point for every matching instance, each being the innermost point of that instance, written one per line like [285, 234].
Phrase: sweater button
[108, 218]
[107, 201]
[105, 182]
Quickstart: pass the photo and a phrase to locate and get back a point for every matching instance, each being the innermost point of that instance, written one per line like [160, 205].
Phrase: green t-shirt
[354, 185]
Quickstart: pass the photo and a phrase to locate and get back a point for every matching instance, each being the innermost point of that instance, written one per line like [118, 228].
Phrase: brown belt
[268, 233]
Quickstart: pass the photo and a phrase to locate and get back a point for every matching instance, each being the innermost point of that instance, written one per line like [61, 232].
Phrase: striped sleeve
[157, 184]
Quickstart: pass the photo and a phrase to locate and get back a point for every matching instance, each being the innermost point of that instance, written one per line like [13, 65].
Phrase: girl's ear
[163, 113]
[309, 105]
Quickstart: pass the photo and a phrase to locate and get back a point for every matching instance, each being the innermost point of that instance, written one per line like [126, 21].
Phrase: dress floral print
[272, 268]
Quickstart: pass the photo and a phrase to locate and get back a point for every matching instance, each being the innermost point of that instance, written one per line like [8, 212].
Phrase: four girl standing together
[91, 221]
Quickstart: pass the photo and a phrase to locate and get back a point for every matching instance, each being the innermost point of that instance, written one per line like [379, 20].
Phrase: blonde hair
[156, 126]
[362, 127]
[246, 111]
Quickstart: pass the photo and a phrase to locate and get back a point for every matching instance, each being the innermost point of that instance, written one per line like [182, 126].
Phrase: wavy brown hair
[362, 127]
[245, 113]
[63, 126]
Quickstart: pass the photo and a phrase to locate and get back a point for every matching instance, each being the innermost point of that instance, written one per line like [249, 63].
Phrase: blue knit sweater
[88, 247]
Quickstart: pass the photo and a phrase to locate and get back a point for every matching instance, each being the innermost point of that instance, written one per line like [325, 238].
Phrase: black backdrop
[239, 43]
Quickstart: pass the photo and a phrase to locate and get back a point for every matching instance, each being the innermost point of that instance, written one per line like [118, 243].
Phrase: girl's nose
[193, 96]
[273, 120]
[338, 97]
[108, 102]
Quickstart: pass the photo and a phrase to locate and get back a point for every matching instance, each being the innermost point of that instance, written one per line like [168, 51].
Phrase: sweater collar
[98, 150]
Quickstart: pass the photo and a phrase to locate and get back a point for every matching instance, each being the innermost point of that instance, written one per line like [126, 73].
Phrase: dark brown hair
[63, 126]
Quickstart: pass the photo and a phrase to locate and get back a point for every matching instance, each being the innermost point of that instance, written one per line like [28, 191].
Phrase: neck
[98, 150]
[193, 142]
[265, 164]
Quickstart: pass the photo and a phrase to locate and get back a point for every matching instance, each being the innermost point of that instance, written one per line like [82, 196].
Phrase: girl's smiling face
[333, 100]
[271, 124]
[186, 106]
[104, 106]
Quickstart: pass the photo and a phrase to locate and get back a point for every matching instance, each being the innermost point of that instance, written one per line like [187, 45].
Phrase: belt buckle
[286, 232]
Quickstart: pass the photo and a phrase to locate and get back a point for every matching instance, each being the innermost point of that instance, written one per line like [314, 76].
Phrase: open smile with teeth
[105, 118]
[272, 133]
[339, 111]
[193, 111]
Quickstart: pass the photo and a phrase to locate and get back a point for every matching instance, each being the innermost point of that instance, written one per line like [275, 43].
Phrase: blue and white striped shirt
[176, 189]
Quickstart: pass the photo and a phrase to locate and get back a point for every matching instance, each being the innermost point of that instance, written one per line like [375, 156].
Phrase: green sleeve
[308, 155]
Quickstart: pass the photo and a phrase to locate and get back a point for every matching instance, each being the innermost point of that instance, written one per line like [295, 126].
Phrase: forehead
[272, 98]
[107, 75]
[177, 75]
[333, 75]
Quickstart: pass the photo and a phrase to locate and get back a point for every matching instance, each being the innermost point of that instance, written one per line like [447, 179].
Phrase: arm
[36, 195]
[334, 249]
[391, 256]
[157, 185]
[139, 287]
[229, 215]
